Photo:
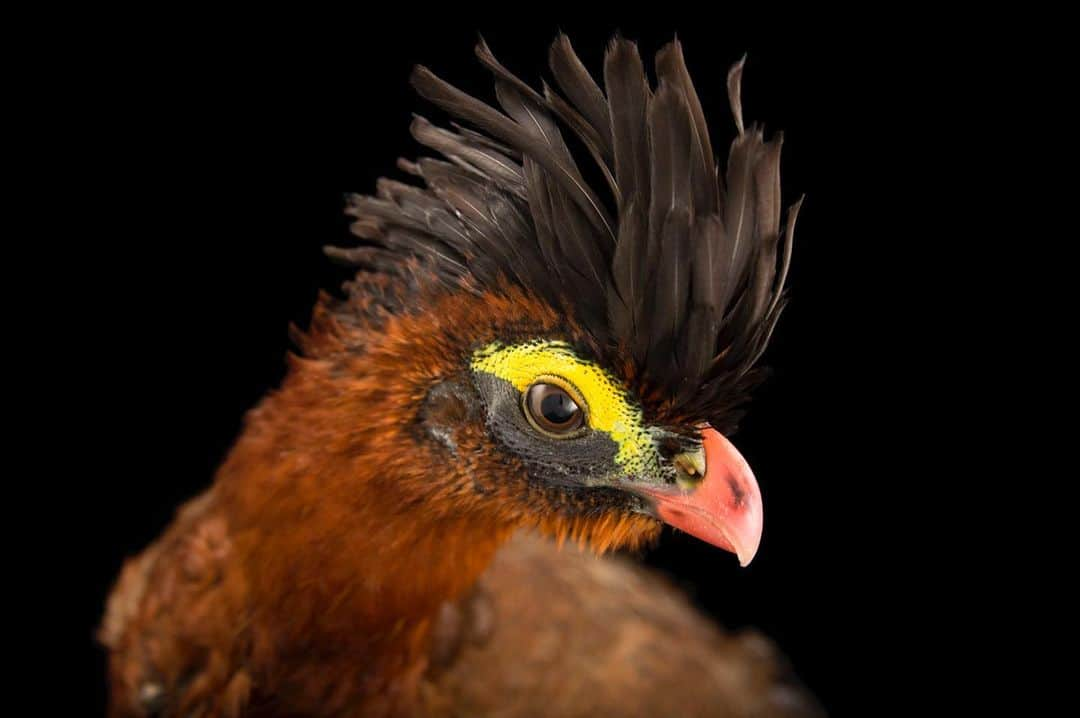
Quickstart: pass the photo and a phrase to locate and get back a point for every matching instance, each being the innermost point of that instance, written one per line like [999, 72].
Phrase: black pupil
[557, 407]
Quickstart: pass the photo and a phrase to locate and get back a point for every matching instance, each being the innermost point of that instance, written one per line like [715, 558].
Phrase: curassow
[521, 359]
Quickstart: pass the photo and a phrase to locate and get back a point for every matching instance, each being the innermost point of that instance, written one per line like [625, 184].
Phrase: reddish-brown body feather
[342, 563]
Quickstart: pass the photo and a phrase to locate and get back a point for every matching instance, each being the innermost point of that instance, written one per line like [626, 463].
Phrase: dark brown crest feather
[480, 138]
[669, 135]
[671, 66]
[672, 289]
[482, 160]
[456, 102]
[677, 275]
[628, 103]
[588, 134]
[581, 90]
[626, 296]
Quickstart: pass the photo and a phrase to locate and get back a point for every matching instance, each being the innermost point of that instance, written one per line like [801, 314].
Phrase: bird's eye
[552, 410]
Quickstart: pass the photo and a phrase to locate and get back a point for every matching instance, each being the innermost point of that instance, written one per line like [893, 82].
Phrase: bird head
[523, 348]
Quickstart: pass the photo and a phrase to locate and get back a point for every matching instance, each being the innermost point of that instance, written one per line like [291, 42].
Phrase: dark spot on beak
[737, 493]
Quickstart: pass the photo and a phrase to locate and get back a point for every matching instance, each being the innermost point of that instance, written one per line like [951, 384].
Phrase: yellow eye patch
[608, 408]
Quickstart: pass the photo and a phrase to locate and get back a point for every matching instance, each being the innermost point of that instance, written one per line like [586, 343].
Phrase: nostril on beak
[689, 468]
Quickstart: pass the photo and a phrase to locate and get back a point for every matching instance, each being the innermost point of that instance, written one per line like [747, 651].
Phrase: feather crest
[677, 276]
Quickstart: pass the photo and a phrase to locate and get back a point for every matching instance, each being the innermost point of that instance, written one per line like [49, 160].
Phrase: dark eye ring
[553, 409]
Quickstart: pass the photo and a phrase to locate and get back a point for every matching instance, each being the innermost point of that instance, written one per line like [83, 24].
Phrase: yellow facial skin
[608, 408]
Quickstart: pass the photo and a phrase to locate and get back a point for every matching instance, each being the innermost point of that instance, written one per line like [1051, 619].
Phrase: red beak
[725, 509]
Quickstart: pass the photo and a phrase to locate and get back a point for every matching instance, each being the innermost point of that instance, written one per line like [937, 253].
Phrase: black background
[217, 155]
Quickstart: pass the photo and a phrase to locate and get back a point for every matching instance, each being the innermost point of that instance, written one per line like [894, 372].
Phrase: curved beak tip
[747, 551]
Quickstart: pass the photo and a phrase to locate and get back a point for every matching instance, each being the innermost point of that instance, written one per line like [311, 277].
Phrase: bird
[553, 325]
